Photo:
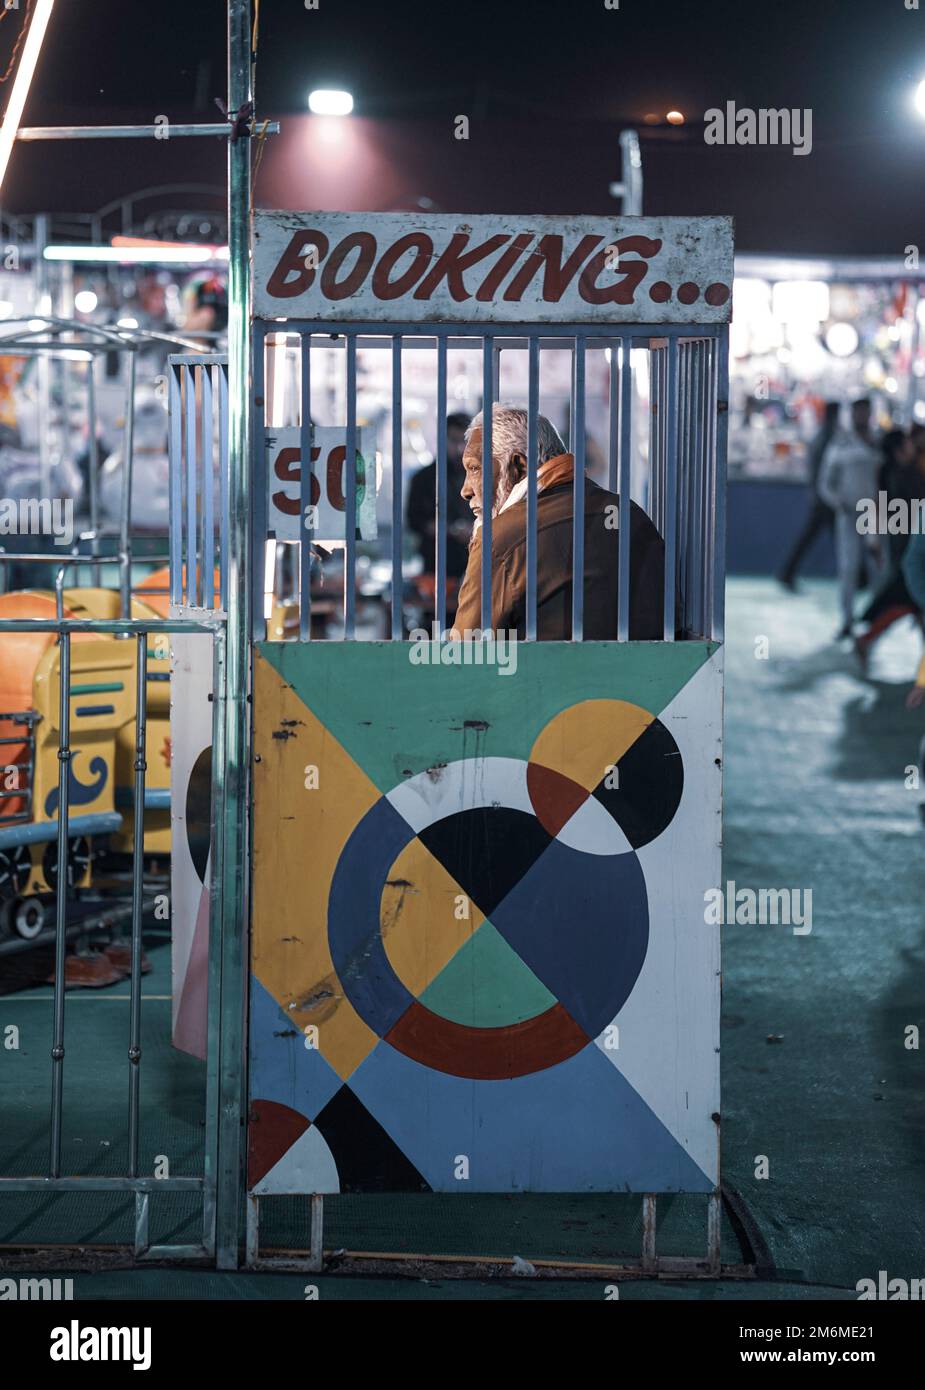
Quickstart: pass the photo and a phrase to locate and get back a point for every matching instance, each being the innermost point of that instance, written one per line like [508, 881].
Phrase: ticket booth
[479, 960]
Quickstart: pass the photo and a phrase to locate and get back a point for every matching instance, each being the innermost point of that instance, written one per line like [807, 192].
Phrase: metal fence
[684, 485]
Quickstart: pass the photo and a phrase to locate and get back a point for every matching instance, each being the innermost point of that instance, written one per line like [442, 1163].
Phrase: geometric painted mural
[479, 957]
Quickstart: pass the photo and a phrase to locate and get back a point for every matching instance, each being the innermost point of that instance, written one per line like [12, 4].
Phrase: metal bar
[316, 1258]
[125, 519]
[397, 500]
[258, 558]
[533, 405]
[100, 1184]
[441, 489]
[234, 891]
[207, 474]
[252, 1231]
[719, 489]
[214, 986]
[93, 459]
[557, 337]
[189, 449]
[120, 626]
[350, 494]
[655, 406]
[649, 1216]
[306, 473]
[614, 420]
[625, 515]
[138, 849]
[133, 132]
[488, 482]
[706, 501]
[695, 585]
[64, 764]
[714, 1232]
[671, 492]
[222, 369]
[141, 1223]
[685, 363]
[175, 423]
[578, 504]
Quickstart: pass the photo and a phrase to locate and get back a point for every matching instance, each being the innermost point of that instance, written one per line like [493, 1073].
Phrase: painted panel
[442, 268]
[479, 955]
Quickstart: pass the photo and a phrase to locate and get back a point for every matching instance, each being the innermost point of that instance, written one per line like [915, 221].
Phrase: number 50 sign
[325, 514]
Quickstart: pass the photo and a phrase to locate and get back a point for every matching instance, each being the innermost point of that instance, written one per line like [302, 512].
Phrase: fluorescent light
[138, 255]
[330, 103]
[23, 81]
[85, 301]
[842, 339]
[126, 323]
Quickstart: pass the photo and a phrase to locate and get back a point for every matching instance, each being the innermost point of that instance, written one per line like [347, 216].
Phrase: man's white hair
[509, 434]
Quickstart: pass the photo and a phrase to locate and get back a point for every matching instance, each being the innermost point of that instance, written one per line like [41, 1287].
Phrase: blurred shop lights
[85, 301]
[842, 339]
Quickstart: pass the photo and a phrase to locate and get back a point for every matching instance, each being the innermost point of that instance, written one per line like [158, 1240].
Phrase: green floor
[815, 764]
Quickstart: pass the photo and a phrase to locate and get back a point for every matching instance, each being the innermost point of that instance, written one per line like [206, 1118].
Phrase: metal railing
[684, 485]
[134, 1181]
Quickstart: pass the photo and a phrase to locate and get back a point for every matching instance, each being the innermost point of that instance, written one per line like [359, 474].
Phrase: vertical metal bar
[259, 465]
[671, 491]
[235, 887]
[695, 583]
[397, 499]
[613, 442]
[192, 557]
[441, 491]
[142, 1240]
[663, 438]
[578, 494]
[707, 500]
[306, 473]
[252, 1231]
[214, 989]
[626, 461]
[61, 885]
[316, 1259]
[350, 494]
[128, 460]
[488, 480]
[207, 475]
[93, 457]
[714, 1232]
[719, 488]
[533, 405]
[683, 478]
[223, 486]
[175, 421]
[656, 405]
[649, 1217]
[138, 850]
[495, 370]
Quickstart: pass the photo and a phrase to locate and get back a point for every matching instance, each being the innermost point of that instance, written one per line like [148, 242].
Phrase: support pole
[234, 712]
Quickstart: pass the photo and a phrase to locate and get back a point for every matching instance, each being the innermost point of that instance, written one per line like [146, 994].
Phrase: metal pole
[233, 906]
[125, 518]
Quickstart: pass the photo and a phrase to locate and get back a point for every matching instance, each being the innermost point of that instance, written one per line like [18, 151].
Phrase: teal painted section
[397, 716]
[487, 985]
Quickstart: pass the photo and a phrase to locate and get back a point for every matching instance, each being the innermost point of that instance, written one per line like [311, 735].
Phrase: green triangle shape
[487, 985]
[396, 717]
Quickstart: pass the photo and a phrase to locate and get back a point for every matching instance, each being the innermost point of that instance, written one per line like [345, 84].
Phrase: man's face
[472, 463]
[455, 444]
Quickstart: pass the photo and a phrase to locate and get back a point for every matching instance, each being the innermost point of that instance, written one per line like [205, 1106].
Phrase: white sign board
[446, 268]
[326, 514]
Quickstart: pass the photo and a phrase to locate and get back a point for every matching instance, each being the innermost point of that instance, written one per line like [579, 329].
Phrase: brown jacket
[554, 567]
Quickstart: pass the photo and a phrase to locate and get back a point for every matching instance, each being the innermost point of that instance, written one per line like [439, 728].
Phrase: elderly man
[554, 506]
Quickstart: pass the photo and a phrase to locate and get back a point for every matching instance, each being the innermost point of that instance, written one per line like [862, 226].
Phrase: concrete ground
[820, 1088]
